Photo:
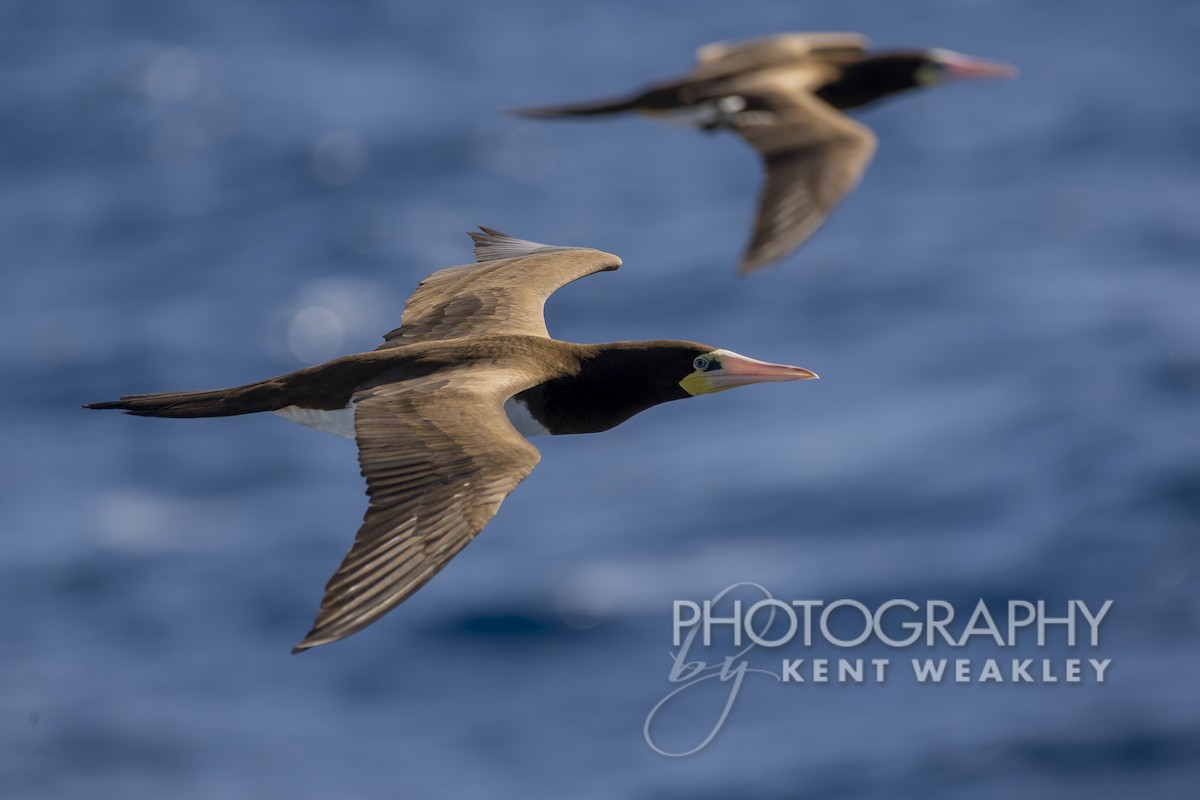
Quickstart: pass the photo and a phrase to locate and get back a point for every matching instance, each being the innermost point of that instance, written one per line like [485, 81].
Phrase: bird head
[706, 370]
[616, 381]
[938, 66]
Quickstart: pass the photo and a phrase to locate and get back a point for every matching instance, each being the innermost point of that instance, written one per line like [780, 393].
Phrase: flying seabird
[442, 410]
[783, 95]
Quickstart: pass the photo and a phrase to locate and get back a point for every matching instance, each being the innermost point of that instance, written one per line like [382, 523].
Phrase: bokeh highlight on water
[1004, 317]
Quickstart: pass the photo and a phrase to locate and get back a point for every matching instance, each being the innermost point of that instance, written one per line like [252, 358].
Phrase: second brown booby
[442, 410]
[783, 94]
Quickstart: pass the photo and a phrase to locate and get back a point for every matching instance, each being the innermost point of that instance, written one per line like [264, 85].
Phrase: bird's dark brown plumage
[783, 95]
[436, 444]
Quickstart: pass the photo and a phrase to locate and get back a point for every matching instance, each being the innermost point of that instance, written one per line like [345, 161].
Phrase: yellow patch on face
[927, 75]
[699, 381]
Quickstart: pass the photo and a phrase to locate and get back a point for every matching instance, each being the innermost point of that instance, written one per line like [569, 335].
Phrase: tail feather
[264, 396]
[580, 109]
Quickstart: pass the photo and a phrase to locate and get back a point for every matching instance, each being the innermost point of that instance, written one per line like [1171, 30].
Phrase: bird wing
[439, 456]
[503, 293]
[772, 50]
[814, 156]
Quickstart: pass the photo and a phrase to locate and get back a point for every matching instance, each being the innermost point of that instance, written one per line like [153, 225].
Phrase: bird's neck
[869, 80]
[613, 383]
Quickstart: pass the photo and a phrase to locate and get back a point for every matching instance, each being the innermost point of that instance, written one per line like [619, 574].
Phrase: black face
[660, 366]
[615, 382]
[685, 359]
[879, 76]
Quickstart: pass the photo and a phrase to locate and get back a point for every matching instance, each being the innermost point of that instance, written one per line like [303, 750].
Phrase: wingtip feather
[533, 112]
[311, 640]
[752, 263]
[492, 245]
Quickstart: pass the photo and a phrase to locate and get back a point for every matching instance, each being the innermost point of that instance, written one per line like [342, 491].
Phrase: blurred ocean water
[1004, 315]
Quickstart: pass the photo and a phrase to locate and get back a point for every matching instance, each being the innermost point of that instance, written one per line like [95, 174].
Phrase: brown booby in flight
[783, 95]
[442, 410]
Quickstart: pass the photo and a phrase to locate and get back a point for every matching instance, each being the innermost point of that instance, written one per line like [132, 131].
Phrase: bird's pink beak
[740, 371]
[733, 371]
[956, 65]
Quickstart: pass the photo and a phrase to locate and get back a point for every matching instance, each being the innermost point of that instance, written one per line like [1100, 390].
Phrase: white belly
[339, 422]
[518, 414]
[704, 115]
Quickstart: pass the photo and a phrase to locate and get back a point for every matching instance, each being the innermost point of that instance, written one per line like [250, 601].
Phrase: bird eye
[701, 363]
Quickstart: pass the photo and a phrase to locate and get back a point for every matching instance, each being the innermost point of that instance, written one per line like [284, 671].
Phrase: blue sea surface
[1005, 315]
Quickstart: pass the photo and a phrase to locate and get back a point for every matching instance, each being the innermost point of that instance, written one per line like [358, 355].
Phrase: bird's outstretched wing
[439, 456]
[772, 51]
[501, 294]
[813, 154]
